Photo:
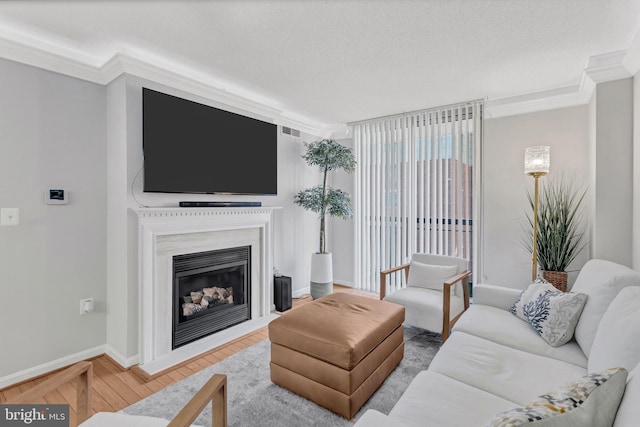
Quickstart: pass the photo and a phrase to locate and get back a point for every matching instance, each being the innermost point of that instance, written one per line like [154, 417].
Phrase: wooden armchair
[214, 391]
[436, 292]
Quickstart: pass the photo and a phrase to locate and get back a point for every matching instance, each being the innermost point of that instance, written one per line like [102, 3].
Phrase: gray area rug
[253, 400]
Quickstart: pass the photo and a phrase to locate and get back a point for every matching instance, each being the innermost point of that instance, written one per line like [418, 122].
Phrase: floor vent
[290, 131]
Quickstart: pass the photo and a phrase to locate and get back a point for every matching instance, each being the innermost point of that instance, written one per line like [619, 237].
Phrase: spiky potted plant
[560, 235]
[328, 155]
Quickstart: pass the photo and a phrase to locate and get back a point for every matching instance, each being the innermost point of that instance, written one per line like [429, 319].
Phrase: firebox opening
[210, 292]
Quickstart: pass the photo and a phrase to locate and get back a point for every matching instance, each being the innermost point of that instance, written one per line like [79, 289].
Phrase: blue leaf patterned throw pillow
[537, 311]
[533, 291]
[555, 314]
[552, 313]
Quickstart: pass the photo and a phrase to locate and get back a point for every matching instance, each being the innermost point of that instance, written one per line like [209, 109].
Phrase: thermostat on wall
[56, 197]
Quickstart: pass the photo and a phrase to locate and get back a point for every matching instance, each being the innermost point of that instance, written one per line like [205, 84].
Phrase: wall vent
[290, 131]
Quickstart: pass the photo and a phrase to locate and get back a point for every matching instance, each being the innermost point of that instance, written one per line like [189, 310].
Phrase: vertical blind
[415, 181]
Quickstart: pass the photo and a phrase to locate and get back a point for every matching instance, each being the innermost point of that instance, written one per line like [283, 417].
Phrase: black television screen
[194, 148]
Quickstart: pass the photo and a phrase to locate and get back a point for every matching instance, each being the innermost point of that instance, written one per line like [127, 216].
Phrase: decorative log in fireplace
[210, 292]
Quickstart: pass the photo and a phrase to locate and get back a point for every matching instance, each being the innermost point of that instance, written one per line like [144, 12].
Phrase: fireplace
[211, 292]
[165, 233]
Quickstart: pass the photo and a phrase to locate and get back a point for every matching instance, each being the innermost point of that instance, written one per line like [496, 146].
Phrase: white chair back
[461, 263]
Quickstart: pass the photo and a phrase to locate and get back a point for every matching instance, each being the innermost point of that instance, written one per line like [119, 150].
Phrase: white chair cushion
[500, 326]
[430, 276]
[601, 280]
[423, 307]
[617, 341]
[589, 401]
[512, 374]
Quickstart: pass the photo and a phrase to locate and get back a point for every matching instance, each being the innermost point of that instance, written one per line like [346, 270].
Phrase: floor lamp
[536, 164]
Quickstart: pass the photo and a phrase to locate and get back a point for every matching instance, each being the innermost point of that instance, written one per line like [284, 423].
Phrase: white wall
[613, 172]
[341, 236]
[117, 290]
[591, 200]
[52, 135]
[505, 184]
[297, 230]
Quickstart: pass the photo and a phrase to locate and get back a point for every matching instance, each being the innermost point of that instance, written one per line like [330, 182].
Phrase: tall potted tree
[560, 235]
[328, 155]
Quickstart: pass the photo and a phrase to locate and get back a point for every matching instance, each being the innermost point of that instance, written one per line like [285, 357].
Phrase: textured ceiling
[342, 61]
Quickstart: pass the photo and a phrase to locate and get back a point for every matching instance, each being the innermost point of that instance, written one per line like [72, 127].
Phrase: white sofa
[494, 361]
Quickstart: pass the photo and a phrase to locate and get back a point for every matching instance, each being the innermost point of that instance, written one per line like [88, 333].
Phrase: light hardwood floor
[115, 388]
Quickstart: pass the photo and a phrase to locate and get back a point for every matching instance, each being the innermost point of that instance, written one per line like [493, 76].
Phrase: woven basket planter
[557, 278]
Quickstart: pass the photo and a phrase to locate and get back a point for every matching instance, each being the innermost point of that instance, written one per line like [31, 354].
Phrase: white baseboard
[45, 368]
[343, 283]
[300, 292]
[125, 362]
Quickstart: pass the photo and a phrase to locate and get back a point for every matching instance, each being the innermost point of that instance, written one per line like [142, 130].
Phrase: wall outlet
[86, 306]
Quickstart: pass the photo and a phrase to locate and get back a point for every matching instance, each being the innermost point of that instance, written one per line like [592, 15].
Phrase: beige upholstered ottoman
[337, 350]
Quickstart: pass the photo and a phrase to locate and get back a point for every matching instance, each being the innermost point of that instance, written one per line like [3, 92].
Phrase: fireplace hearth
[211, 292]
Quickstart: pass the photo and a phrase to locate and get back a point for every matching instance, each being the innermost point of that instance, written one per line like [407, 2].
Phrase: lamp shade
[537, 159]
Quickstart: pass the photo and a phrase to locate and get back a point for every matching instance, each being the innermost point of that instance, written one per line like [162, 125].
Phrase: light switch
[9, 216]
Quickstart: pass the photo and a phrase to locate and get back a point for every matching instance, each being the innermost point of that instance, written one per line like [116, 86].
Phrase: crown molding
[193, 83]
[607, 67]
[540, 101]
[610, 66]
[600, 68]
[48, 60]
[124, 64]
[62, 62]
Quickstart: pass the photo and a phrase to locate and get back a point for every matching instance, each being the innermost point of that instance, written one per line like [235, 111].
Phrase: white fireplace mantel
[165, 232]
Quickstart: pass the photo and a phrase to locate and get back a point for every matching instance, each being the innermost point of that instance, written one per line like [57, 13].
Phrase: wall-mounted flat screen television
[195, 148]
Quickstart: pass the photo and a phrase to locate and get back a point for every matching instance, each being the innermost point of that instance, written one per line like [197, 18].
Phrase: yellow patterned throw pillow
[592, 400]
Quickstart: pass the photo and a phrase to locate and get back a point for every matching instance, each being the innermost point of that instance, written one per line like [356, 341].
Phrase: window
[415, 182]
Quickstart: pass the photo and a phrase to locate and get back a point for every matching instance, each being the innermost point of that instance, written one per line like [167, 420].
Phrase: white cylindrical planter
[321, 275]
